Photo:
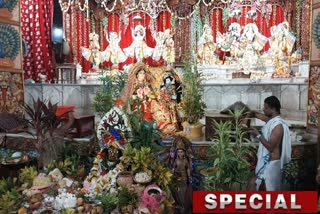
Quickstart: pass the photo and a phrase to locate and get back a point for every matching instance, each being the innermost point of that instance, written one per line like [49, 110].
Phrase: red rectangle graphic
[255, 201]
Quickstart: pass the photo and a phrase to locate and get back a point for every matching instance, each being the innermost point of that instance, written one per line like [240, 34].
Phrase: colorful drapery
[37, 17]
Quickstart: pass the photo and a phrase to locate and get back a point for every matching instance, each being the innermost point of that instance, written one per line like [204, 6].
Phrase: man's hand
[254, 132]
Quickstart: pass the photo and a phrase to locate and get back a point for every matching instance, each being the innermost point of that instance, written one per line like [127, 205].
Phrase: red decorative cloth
[37, 17]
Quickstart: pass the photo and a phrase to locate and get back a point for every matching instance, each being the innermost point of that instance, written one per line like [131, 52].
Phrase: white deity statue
[93, 53]
[281, 45]
[158, 49]
[234, 30]
[164, 46]
[114, 53]
[168, 53]
[138, 48]
[253, 42]
[206, 47]
[281, 40]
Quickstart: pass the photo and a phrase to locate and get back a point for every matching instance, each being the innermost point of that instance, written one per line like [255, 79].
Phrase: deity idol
[164, 46]
[253, 42]
[180, 162]
[168, 51]
[158, 50]
[114, 52]
[141, 89]
[111, 134]
[281, 44]
[206, 47]
[93, 53]
[138, 48]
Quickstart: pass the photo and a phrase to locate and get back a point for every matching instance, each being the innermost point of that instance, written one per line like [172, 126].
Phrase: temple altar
[216, 73]
[291, 91]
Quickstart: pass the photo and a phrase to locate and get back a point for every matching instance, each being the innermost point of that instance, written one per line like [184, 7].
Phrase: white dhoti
[271, 171]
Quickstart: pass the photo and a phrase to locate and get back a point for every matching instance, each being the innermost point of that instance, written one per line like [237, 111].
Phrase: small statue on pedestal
[181, 165]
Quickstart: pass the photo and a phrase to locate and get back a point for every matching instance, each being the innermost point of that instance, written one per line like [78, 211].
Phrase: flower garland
[298, 14]
[100, 180]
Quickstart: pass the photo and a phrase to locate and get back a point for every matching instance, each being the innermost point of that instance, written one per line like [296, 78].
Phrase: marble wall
[79, 95]
[293, 97]
[217, 95]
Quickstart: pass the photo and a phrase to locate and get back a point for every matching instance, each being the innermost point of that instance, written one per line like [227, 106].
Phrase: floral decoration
[113, 128]
[99, 179]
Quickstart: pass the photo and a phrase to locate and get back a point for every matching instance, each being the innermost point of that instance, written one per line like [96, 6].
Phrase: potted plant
[230, 169]
[192, 104]
[47, 129]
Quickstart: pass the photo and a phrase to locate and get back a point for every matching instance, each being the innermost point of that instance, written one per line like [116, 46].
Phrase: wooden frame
[7, 64]
[314, 51]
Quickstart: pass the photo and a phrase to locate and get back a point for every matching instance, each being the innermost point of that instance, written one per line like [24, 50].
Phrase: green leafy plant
[71, 166]
[144, 160]
[230, 166]
[293, 172]
[10, 195]
[192, 104]
[27, 175]
[10, 201]
[162, 175]
[109, 201]
[127, 197]
[7, 184]
[66, 211]
[144, 133]
[110, 91]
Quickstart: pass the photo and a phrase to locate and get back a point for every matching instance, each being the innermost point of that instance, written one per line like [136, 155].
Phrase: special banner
[255, 202]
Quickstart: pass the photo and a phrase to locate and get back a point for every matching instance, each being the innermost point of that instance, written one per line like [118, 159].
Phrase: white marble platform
[218, 94]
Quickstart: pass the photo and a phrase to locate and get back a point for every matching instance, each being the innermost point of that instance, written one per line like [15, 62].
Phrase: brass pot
[193, 131]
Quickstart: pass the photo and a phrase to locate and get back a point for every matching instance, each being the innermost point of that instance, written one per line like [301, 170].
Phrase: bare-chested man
[274, 146]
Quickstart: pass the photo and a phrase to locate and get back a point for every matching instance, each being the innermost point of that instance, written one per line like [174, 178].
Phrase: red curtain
[37, 17]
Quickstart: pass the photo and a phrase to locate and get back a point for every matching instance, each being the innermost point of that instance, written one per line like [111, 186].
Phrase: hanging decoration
[122, 16]
[298, 8]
